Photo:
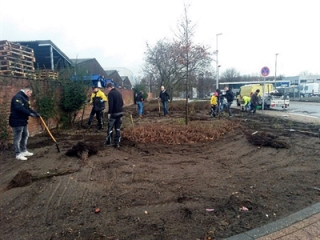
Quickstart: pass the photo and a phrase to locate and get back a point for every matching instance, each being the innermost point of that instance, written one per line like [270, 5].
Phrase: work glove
[35, 114]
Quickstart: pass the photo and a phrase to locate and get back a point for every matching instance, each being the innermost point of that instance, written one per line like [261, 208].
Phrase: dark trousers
[253, 108]
[213, 110]
[114, 123]
[99, 116]
[229, 108]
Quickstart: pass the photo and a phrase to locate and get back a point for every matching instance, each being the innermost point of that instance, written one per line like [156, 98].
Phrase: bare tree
[230, 75]
[162, 64]
[174, 64]
[305, 73]
[193, 58]
[151, 77]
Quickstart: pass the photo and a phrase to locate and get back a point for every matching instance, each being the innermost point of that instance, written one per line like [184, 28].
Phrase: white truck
[311, 89]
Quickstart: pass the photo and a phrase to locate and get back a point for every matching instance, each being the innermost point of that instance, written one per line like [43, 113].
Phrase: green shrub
[73, 96]
[45, 94]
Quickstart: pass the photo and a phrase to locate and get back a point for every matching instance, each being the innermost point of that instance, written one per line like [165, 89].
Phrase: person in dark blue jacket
[115, 113]
[140, 102]
[164, 98]
[18, 121]
[230, 98]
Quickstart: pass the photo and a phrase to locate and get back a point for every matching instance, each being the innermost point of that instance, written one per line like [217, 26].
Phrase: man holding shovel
[18, 121]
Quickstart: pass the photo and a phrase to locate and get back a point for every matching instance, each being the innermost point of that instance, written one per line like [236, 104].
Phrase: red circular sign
[265, 71]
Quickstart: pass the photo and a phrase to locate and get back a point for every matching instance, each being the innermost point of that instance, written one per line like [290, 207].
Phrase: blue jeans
[165, 107]
[247, 107]
[220, 104]
[229, 108]
[253, 108]
[140, 108]
[20, 139]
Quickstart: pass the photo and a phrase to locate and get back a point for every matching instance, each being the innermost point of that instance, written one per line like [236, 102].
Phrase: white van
[311, 89]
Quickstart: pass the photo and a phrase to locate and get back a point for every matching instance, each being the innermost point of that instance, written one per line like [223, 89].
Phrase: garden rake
[44, 124]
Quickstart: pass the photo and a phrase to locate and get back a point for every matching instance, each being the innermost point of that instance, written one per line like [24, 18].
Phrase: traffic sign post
[264, 72]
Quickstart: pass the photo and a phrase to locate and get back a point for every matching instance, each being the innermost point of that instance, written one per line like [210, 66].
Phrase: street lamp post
[217, 63]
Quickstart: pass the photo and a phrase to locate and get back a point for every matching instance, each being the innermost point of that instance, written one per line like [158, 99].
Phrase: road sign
[265, 71]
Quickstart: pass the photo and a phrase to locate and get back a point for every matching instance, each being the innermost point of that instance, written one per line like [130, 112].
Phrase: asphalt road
[306, 109]
[309, 109]
[301, 111]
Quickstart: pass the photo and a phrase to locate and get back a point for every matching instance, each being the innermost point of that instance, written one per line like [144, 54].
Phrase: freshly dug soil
[214, 178]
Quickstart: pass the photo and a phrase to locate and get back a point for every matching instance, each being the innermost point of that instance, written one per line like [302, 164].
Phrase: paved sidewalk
[302, 225]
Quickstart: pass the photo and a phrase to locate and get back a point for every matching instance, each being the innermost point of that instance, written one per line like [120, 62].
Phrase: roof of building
[44, 57]
[80, 60]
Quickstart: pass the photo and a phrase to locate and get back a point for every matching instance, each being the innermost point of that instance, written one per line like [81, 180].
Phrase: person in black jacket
[254, 101]
[164, 97]
[18, 121]
[139, 102]
[115, 113]
[230, 98]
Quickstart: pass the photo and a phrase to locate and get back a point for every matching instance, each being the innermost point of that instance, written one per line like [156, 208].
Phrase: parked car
[292, 92]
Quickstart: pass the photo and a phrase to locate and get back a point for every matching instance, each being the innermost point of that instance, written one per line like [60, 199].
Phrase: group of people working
[251, 103]
[220, 101]
[20, 111]
[163, 97]
[115, 112]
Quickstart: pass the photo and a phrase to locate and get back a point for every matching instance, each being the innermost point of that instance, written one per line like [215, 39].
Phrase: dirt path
[200, 190]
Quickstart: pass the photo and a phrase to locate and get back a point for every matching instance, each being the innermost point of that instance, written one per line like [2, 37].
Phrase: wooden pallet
[30, 75]
[6, 48]
[43, 74]
[16, 60]
[17, 68]
[15, 46]
[17, 55]
[13, 73]
[9, 64]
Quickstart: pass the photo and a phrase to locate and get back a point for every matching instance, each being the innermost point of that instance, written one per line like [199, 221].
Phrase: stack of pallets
[46, 74]
[16, 60]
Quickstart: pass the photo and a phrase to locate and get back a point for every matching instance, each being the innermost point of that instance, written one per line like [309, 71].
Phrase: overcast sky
[115, 32]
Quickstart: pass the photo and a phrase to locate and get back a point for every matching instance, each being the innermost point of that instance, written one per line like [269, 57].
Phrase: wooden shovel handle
[44, 124]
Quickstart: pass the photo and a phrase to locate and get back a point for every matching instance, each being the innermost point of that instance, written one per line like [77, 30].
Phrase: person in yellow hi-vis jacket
[246, 104]
[98, 99]
[214, 103]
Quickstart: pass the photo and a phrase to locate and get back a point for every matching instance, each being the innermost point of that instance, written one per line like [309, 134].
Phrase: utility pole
[275, 71]
[217, 62]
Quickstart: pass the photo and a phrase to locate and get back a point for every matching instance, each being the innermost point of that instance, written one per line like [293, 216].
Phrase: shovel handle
[44, 124]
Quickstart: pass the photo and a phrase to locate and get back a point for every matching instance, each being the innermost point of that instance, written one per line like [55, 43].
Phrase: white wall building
[297, 80]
